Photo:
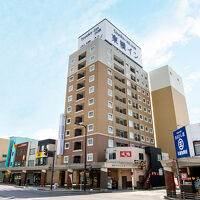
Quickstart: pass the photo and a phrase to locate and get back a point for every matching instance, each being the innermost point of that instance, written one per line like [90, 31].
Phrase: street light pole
[52, 169]
[85, 160]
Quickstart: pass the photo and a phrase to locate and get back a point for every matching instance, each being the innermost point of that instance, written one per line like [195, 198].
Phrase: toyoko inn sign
[181, 143]
[107, 31]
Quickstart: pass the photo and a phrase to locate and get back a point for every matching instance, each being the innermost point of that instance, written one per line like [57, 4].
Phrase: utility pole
[52, 170]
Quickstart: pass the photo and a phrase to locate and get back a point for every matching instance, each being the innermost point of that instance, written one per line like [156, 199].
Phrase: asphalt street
[12, 192]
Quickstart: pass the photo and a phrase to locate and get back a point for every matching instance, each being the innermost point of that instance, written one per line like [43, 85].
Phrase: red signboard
[125, 154]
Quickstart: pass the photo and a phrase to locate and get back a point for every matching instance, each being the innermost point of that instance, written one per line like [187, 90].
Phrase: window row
[78, 159]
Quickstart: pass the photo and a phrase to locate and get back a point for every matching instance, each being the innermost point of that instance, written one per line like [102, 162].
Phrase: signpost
[181, 143]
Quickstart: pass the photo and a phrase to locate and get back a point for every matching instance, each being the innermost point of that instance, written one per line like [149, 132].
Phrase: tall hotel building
[107, 90]
[169, 106]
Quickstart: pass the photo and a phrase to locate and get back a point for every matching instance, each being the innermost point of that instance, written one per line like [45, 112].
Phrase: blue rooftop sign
[181, 143]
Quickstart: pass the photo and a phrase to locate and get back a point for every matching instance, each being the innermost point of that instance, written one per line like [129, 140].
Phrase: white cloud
[45, 134]
[178, 28]
[190, 81]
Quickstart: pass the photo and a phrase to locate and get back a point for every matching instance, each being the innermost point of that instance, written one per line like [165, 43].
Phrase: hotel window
[137, 137]
[143, 92]
[128, 92]
[92, 49]
[70, 88]
[90, 127]
[110, 117]
[92, 68]
[110, 105]
[67, 145]
[140, 107]
[67, 133]
[69, 109]
[110, 143]
[130, 123]
[141, 117]
[91, 101]
[90, 142]
[142, 138]
[145, 119]
[129, 102]
[109, 92]
[141, 127]
[149, 111]
[109, 81]
[150, 120]
[112, 156]
[152, 141]
[151, 130]
[147, 93]
[145, 109]
[110, 129]
[91, 89]
[144, 100]
[141, 156]
[146, 129]
[90, 157]
[109, 63]
[139, 98]
[109, 72]
[196, 148]
[131, 135]
[66, 159]
[71, 79]
[148, 102]
[128, 83]
[90, 114]
[68, 120]
[69, 98]
[91, 78]
[92, 58]
[130, 113]
[147, 139]
[138, 89]
[72, 69]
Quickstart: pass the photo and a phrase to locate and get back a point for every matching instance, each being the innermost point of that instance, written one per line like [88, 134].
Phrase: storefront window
[197, 148]
[112, 156]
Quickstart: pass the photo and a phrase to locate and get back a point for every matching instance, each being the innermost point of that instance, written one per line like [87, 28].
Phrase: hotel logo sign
[181, 143]
[107, 31]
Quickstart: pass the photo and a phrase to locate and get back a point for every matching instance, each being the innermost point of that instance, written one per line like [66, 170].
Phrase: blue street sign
[181, 143]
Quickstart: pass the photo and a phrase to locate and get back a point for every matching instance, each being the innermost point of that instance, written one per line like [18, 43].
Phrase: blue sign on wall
[181, 143]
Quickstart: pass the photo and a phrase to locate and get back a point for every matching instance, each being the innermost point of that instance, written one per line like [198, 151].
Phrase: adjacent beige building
[169, 106]
[3, 149]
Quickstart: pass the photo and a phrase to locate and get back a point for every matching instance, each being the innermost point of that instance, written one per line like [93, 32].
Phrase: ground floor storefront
[183, 173]
[105, 175]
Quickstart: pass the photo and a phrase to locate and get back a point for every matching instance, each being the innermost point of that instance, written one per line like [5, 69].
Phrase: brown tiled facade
[112, 99]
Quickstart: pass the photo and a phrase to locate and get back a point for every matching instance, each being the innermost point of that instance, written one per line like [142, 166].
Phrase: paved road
[12, 192]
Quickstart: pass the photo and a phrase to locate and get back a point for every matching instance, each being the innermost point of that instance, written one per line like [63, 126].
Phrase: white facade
[31, 153]
[127, 155]
[193, 135]
[165, 77]
[107, 31]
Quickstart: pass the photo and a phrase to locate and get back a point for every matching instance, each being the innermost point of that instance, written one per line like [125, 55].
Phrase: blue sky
[36, 38]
